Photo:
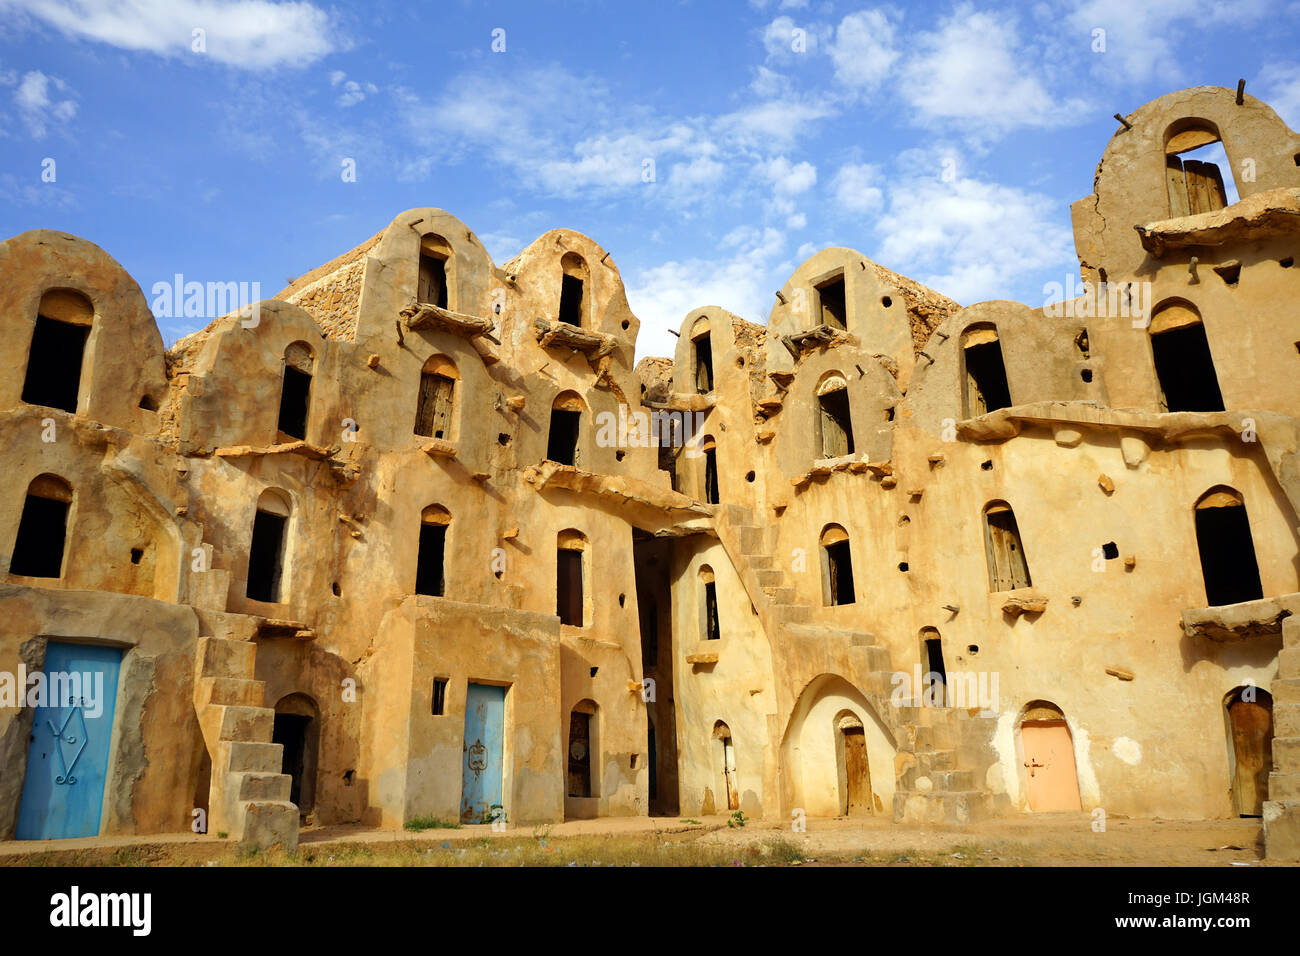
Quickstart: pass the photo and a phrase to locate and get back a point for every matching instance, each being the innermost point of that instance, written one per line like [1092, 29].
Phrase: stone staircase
[249, 796]
[931, 788]
[1282, 809]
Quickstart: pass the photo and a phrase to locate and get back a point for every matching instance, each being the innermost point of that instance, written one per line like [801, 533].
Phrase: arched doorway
[1249, 711]
[722, 733]
[297, 729]
[854, 768]
[1047, 751]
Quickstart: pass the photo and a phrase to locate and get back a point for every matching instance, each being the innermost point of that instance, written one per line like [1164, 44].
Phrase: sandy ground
[1040, 840]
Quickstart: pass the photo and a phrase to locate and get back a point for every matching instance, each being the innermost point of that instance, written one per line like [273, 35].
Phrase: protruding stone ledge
[1023, 601]
[573, 337]
[1274, 212]
[272, 628]
[1248, 620]
[425, 315]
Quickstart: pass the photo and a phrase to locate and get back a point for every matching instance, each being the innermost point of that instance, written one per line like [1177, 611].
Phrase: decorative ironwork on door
[74, 739]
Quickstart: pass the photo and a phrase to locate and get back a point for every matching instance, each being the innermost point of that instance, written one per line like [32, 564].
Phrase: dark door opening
[652, 752]
[986, 379]
[1227, 555]
[429, 561]
[833, 308]
[290, 731]
[839, 569]
[579, 754]
[712, 629]
[38, 548]
[568, 586]
[562, 441]
[934, 666]
[1185, 369]
[265, 557]
[711, 476]
[433, 280]
[54, 364]
[295, 394]
[571, 300]
[703, 364]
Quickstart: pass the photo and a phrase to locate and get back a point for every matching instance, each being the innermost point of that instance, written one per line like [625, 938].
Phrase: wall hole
[1110, 551]
[136, 555]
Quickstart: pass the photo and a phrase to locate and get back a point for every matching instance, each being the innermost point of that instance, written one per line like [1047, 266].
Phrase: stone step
[1284, 787]
[1288, 662]
[937, 780]
[782, 595]
[1291, 631]
[247, 723]
[246, 756]
[759, 562]
[1282, 830]
[270, 823]
[1285, 690]
[1286, 754]
[929, 761]
[256, 785]
[792, 613]
[230, 691]
[912, 806]
[220, 657]
[753, 539]
[1286, 720]
[769, 577]
[935, 737]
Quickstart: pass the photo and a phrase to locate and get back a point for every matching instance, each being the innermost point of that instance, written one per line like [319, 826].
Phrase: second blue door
[485, 711]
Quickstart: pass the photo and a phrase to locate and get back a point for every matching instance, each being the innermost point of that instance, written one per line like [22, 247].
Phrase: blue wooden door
[67, 756]
[485, 711]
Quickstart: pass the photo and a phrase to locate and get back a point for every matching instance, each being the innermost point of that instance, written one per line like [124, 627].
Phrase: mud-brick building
[416, 538]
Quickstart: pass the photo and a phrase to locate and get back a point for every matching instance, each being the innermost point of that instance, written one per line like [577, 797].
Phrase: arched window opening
[566, 423]
[267, 549]
[1008, 566]
[429, 563]
[1184, 365]
[1194, 164]
[936, 674]
[722, 734]
[58, 345]
[42, 529]
[702, 347]
[711, 627]
[1227, 549]
[832, 305]
[836, 422]
[436, 405]
[985, 372]
[582, 743]
[569, 596]
[296, 729]
[295, 390]
[1249, 712]
[710, 470]
[573, 282]
[837, 566]
[435, 254]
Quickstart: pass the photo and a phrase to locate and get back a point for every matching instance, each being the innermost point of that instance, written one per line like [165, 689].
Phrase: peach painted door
[1049, 765]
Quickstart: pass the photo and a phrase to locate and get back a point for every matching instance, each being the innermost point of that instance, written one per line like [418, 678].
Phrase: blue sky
[945, 141]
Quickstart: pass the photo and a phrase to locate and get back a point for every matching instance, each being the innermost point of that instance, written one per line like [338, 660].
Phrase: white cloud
[974, 240]
[1142, 37]
[773, 124]
[855, 188]
[353, 92]
[787, 178]
[863, 51]
[784, 39]
[972, 73]
[251, 34]
[1280, 89]
[741, 282]
[37, 107]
